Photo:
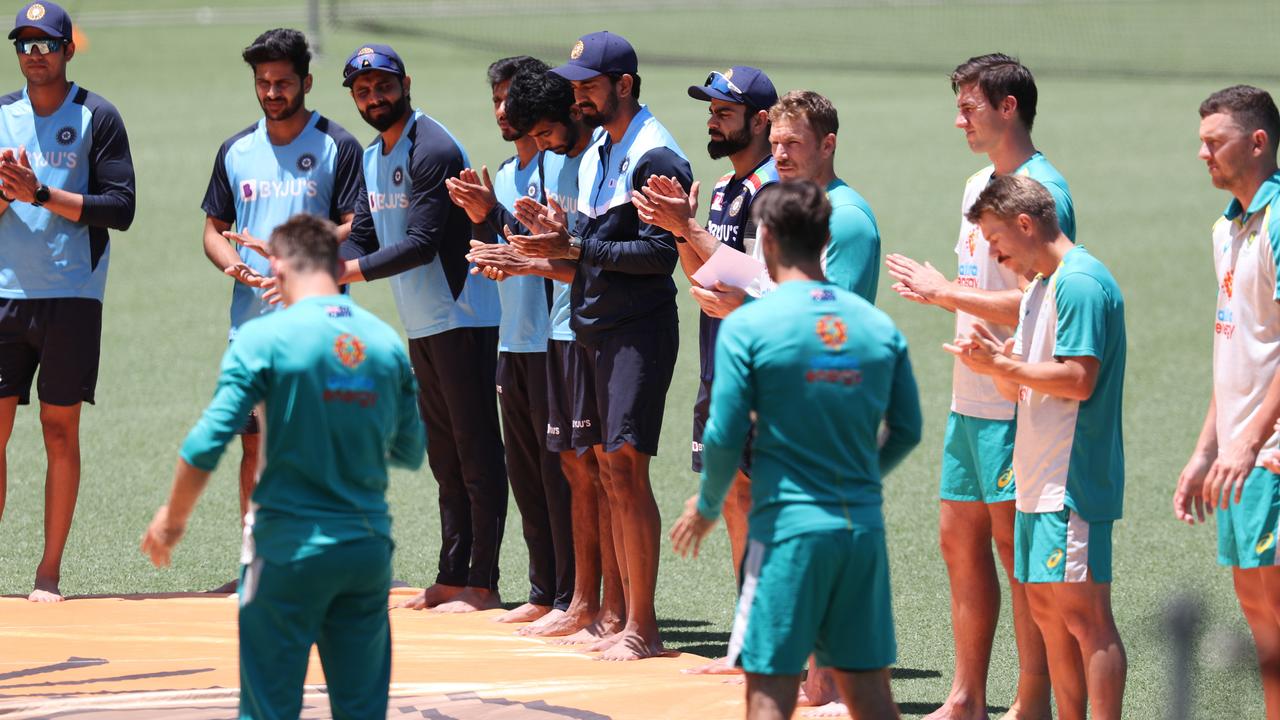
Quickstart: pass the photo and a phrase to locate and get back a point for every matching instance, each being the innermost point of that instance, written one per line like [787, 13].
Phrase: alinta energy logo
[832, 331]
[349, 349]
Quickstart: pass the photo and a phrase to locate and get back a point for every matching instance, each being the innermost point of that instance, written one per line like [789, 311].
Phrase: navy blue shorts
[632, 373]
[572, 422]
[62, 337]
[701, 411]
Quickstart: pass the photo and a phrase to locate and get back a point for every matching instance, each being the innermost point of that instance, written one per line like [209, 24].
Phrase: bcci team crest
[397, 176]
[307, 162]
[349, 349]
[622, 166]
[365, 51]
[66, 135]
[832, 331]
[576, 52]
[735, 206]
[35, 12]
[728, 74]
[532, 191]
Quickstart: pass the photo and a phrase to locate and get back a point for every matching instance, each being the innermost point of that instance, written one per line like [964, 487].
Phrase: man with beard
[406, 229]
[66, 179]
[739, 99]
[291, 161]
[623, 305]
[541, 106]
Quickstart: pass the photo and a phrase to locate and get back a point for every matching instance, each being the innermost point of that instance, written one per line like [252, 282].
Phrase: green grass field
[1125, 140]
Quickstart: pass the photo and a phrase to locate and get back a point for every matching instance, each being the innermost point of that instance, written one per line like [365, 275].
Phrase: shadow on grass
[918, 708]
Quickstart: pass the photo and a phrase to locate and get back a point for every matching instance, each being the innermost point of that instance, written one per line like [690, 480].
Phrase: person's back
[824, 368]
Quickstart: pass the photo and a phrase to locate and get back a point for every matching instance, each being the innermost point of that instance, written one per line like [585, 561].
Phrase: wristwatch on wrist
[575, 247]
[42, 195]
[6, 198]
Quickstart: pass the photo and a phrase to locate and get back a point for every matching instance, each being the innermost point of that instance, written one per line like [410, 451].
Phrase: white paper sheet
[731, 267]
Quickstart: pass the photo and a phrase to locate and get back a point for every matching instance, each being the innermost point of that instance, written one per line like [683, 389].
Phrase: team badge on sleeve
[349, 349]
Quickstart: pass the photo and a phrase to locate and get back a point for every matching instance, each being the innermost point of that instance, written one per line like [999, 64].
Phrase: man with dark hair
[738, 105]
[339, 404]
[1064, 368]
[1234, 465]
[66, 178]
[537, 483]
[802, 135]
[541, 105]
[996, 105]
[822, 370]
[623, 304]
[406, 229]
[290, 161]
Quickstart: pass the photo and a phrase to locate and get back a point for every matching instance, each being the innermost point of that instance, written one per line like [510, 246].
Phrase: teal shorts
[1247, 530]
[1055, 547]
[824, 593]
[336, 600]
[977, 460]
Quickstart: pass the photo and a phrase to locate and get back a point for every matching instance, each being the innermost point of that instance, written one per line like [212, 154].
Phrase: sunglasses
[720, 83]
[46, 45]
[371, 61]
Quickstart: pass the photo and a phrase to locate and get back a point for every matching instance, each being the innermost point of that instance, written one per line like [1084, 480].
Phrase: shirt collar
[1267, 193]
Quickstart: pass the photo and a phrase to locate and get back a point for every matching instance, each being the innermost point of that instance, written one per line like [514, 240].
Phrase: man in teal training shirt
[821, 369]
[341, 405]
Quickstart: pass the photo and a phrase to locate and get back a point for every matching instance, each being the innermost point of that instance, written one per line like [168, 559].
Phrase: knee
[60, 436]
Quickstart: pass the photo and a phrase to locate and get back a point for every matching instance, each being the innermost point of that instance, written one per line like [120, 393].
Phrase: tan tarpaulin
[174, 656]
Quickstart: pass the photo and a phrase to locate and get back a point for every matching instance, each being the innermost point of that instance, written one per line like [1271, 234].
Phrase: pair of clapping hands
[18, 181]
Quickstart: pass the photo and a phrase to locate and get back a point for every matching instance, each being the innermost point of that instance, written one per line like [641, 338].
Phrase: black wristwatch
[42, 195]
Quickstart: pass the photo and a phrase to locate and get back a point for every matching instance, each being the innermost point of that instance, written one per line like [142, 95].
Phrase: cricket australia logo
[972, 241]
[832, 331]
[66, 135]
[1228, 283]
[307, 162]
[349, 349]
[397, 176]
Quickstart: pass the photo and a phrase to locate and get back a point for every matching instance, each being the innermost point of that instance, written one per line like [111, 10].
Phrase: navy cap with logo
[599, 53]
[371, 57]
[44, 16]
[740, 84]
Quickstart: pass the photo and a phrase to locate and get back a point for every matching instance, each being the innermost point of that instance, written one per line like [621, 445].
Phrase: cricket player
[1233, 468]
[66, 180]
[406, 229]
[292, 160]
[996, 106]
[822, 371]
[1065, 370]
[340, 406]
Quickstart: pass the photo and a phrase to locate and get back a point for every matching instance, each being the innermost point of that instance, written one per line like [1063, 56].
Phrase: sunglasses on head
[371, 61]
[46, 45]
[720, 83]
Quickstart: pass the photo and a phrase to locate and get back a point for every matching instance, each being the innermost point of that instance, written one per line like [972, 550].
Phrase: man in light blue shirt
[66, 178]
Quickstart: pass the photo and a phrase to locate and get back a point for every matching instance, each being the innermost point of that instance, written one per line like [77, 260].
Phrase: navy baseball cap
[371, 57]
[600, 53]
[740, 84]
[43, 15]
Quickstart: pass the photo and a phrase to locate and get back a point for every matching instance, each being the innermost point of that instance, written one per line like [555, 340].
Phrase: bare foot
[527, 612]
[1015, 713]
[719, 666]
[432, 597]
[818, 689]
[46, 591]
[567, 623]
[224, 588]
[555, 614]
[831, 709]
[630, 645]
[605, 642]
[471, 600]
[589, 634]
[958, 707]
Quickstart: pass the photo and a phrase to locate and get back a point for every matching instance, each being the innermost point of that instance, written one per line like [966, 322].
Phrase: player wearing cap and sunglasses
[66, 178]
[623, 304]
[406, 229]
